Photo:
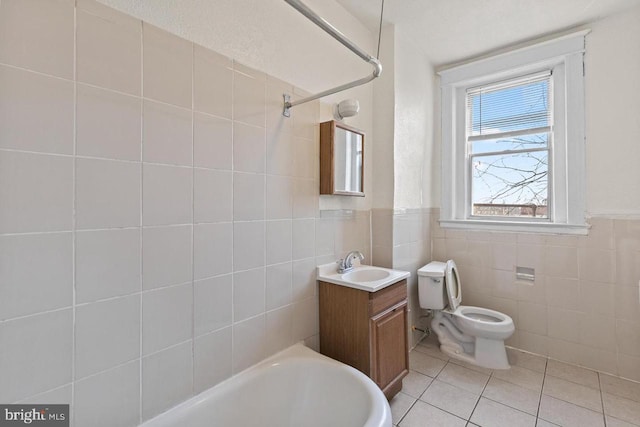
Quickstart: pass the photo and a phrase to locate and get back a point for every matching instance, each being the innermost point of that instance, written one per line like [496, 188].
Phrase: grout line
[40, 313]
[193, 221]
[604, 415]
[110, 368]
[31, 233]
[41, 73]
[481, 395]
[544, 377]
[407, 411]
[141, 234]
[169, 347]
[56, 388]
[74, 220]
[233, 183]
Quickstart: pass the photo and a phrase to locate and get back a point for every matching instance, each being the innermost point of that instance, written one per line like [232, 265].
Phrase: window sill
[515, 226]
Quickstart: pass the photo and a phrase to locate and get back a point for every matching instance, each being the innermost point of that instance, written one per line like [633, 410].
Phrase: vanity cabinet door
[389, 348]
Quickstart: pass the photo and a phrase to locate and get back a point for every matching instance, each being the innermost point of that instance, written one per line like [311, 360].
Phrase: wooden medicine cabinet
[341, 159]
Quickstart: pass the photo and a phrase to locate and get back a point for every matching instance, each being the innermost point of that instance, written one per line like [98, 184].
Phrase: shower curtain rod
[336, 34]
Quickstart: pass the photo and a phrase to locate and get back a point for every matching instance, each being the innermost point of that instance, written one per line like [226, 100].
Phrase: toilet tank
[431, 289]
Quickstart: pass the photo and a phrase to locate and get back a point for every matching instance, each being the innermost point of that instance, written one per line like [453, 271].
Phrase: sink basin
[366, 275]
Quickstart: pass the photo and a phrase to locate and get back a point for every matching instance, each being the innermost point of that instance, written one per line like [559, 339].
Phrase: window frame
[564, 57]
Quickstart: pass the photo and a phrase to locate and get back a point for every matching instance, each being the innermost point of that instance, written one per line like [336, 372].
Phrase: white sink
[364, 277]
[364, 274]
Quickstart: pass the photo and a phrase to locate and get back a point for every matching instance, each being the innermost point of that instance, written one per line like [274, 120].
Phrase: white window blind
[515, 106]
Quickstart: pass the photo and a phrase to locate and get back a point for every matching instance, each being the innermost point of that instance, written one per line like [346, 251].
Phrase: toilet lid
[454, 290]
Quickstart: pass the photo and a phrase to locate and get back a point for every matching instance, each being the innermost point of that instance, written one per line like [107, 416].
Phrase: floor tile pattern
[535, 392]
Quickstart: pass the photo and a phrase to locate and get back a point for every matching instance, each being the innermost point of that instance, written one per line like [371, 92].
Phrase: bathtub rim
[379, 416]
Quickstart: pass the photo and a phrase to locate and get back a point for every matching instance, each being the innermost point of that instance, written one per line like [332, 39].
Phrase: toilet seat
[453, 285]
[474, 320]
[479, 320]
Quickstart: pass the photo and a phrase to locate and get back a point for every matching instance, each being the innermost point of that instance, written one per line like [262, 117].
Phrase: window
[513, 140]
[509, 128]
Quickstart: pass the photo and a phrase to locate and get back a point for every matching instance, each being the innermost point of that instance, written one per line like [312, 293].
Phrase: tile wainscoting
[583, 307]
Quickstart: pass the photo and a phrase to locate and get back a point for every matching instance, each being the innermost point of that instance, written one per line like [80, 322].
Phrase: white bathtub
[296, 387]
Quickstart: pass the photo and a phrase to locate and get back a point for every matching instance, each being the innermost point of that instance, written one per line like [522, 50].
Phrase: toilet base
[484, 352]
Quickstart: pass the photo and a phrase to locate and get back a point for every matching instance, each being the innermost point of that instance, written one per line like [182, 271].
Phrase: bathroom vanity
[365, 326]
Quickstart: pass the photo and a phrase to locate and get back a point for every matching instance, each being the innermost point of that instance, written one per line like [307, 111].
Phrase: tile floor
[536, 391]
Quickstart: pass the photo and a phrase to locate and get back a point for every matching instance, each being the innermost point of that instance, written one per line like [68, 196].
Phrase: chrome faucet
[346, 264]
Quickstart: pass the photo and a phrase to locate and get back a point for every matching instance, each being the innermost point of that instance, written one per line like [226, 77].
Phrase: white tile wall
[167, 195]
[29, 95]
[167, 134]
[107, 334]
[167, 317]
[212, 142]
[166, 256]
[36, 192]
[167, 378]
[48, 369]
[213, 304]
[212, 359]
[27, 289]
[160, 223]
[107, 124]
[402, 240]
[167, 67]
[118, 186]
[38, 36]
[212, 96]
[117, 390]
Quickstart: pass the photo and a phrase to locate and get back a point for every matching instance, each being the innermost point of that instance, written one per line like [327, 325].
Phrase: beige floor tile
[425, 415]
[480, 369]
[512, 395]
[573, 393]
[567, 414]
[573, 373]
[620, 387]
[450, 398]
[432, 350]
[621, 408]
[400, 404]
[425, 364]
[493, 414]
[542, 423]
[521, 376]
[415, 383]
[463, 378]
[614, 422]
[526, 360]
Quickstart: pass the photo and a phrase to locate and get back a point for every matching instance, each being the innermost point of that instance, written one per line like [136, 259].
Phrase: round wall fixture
[346, 108]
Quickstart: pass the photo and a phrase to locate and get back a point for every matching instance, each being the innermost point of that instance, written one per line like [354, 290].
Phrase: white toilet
[472, 334]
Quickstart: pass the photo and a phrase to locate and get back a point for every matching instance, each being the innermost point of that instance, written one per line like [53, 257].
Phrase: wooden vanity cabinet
[367, 330]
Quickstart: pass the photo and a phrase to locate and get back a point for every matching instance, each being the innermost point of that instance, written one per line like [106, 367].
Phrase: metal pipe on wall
[336, 34]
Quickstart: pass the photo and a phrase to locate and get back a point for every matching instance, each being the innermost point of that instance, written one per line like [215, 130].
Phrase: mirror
[341, 159]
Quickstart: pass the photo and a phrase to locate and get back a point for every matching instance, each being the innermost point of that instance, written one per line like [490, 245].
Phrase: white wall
[383, 127]
[413, 133]
[268, 35]
[613, 115]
